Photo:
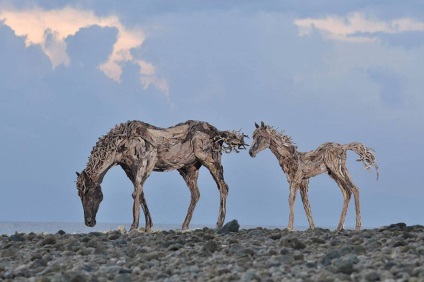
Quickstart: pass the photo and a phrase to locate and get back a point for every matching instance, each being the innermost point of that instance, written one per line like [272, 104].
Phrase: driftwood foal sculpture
[140, 148]
[299, 167]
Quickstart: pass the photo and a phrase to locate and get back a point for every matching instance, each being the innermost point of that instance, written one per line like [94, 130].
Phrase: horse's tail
[366, 155]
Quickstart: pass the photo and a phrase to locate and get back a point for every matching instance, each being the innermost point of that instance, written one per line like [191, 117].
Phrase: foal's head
[91, 195]
[265, 134]
[261, 139]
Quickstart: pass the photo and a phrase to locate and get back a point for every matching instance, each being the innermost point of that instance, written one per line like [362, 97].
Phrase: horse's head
[261, 139]
[234, 141]
[91, 195]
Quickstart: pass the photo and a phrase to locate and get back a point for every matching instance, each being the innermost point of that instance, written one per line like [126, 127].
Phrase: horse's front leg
[147, 217]
[217, 173]
[190, 175]
[292, 198]
[136, 206]
[143, 172]
[212, 161]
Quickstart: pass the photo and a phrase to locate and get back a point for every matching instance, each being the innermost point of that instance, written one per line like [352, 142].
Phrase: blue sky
[323, 71]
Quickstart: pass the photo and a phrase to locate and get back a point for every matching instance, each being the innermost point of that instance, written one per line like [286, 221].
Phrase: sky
[340, 71]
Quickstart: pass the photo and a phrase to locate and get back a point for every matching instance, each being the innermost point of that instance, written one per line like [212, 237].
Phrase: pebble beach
[388, 253]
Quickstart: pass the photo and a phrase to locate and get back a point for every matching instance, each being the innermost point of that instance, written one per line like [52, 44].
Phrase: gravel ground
[389, 253]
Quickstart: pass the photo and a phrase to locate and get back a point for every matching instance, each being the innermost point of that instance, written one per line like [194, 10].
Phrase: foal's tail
[366, 155]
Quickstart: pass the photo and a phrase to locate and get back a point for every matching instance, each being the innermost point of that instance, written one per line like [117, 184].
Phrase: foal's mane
[285, 139]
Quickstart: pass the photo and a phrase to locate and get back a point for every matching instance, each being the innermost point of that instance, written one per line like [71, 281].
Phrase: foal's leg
[190, 175]
[305, 200]
[292, 198]
[347, 193]
[355, 191]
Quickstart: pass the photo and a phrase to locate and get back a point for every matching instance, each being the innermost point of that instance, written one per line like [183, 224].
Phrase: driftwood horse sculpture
[140, 148]
[299, 167]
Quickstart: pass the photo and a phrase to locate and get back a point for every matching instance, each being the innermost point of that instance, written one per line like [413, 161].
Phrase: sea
[10, 228]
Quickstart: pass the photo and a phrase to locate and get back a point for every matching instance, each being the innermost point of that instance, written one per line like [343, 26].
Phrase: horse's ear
[77, 173]
[256, 125]
[262, 124]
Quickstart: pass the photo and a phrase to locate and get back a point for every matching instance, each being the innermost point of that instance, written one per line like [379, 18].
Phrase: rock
[232, 226]
[392, 254]
[345, 264]
[250, 275]
[255, 232]
[8, 253]
[61, 232]
[17, 237]
[293, 243]
[114, 236]
[372, 276]
[154, 255]
[246, 252]
[175, 247]
[210, 246]
[275, 236]
[49, 240]
[317, 240]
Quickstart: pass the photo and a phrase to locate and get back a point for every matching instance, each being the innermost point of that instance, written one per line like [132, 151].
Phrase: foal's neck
[283, 152]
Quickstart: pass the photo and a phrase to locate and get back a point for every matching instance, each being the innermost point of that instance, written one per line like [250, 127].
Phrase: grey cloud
[391, 86]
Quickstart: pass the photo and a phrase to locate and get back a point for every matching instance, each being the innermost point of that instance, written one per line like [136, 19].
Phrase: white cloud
[50, 28]
[355, 27]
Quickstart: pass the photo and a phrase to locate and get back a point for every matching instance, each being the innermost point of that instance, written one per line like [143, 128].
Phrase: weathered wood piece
[300, 166]
[140, 148]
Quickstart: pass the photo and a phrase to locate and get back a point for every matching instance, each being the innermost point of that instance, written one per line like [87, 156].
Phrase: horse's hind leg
[347, 193]
[305, 200]
[355, 191]
[190, 175]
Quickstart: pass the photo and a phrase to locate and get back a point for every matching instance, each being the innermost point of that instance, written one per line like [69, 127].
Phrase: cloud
[49, 29]
[356, 27]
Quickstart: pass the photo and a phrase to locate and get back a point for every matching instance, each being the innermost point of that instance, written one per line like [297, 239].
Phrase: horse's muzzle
[90, 222]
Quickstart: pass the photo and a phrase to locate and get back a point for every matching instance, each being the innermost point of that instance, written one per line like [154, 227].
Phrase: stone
[17, 237]
[293, 243]
[232, 226]
[255, 232]
[60, 232]
[49, 240]
[210, 246]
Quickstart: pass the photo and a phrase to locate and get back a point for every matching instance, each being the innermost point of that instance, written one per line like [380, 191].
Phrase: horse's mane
[109, 142]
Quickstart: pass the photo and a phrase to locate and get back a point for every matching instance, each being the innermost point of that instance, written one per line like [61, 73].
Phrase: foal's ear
[262, 124]
[256, 125]
[77, 174]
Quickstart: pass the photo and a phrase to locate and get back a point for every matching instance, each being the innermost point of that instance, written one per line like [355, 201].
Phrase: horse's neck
[98, 165]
